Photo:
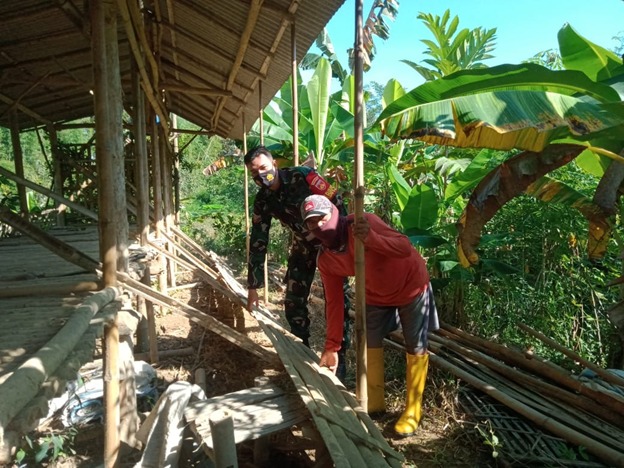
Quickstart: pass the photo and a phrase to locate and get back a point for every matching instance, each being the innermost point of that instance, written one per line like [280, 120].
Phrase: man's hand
[329, 359]
[252, 299]
[361, 229]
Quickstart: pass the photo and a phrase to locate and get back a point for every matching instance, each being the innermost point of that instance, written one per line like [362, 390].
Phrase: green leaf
[421, 210]
[527, 76]
[578, 53]
[399, 185]
[592, 163]
[427, 241]
[502, 120]
[481, 165]
[392, 91]
[318, 96]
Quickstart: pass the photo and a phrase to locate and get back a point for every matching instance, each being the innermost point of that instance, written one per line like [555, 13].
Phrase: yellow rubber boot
[416, 371]
[375, 380]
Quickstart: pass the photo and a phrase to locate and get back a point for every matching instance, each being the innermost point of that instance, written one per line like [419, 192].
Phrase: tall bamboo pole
[18, 157]
[58, 174]
[104, 162]
[167, 173]
[358, 185]
[140, 157]
[116, 142]
[266, 257]
[295, 93]
[157, 195]
[100, 21]
[247, 222]
[176, 171]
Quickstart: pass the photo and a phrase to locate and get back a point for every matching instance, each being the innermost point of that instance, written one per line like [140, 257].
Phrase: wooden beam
[182, 88]
[150, 92]
[24, 109]
[252, 19]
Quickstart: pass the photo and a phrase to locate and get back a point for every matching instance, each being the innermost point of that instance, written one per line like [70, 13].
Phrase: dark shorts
[415, 319]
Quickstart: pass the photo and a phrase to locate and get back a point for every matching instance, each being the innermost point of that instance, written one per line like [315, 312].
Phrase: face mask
[332, 234]
[265, 179]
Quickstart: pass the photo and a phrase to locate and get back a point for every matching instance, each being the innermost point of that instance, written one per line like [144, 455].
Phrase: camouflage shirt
[296, 183]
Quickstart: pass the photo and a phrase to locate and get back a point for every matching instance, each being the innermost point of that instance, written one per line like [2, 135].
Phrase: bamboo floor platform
[40, 295]
[256, 412]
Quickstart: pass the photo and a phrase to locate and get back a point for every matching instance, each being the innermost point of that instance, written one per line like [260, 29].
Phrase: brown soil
[445, 438]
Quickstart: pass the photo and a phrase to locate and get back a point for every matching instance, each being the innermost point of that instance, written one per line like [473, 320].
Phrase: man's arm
[334, 318]
[380, 237]
[258, 242]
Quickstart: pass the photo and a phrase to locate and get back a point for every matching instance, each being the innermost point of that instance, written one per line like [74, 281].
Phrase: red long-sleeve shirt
[395, 274]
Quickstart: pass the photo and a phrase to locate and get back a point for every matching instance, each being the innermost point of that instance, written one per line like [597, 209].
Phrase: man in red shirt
[397, 292]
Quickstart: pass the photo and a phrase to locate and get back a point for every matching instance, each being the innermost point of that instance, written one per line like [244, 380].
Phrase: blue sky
[524, 28]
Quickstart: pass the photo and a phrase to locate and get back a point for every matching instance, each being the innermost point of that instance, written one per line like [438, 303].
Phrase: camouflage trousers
[299, 278]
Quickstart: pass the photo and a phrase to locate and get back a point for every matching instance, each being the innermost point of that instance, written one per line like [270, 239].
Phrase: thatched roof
[210, 56]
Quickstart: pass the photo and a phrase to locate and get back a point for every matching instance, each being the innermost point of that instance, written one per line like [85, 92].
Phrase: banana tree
[525, 107]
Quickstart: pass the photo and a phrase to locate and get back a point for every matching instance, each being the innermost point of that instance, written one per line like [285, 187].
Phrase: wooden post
[140, 157]
[106, 196]
[247, 221]
[176, 171]
[266, 257]
[19, 163]
[222, 430]
[295, 94]
[58, 174]
[167, 173]
[115, 136]
[358, 185]
[146, 336]
[112, 417]
[157, 194]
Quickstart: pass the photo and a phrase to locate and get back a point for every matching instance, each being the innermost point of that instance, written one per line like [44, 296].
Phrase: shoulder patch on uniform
[320, 186]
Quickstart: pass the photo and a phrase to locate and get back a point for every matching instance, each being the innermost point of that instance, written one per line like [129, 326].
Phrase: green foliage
[46, 447]
[452, 50]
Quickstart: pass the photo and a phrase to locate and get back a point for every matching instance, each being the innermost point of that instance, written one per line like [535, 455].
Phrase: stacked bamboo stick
[542, 392]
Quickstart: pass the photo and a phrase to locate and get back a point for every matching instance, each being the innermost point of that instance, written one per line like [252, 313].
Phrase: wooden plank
[256, 412]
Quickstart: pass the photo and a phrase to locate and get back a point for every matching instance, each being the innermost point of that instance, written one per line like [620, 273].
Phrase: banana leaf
[578, 53]
[318, 96]
[507, 181]
[527, 120]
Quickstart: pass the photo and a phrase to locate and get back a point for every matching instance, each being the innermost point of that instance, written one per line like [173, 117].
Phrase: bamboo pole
[38, 188]
[115, 142]
[246, 188]
[112, 417]
[266, 257]
[534, 365]
[106, 195]
[24, 383]
[528, 380]
[176, 171]
[141, 158]
[167, 172]
[18, 157]
[295, 93]
[200, 318]
[157, 196]
[358, 185]
[607, 454]
[222, 431]
[58, 175]
[605, 375]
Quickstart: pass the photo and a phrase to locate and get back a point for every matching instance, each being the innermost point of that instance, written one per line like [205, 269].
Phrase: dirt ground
[446, 437]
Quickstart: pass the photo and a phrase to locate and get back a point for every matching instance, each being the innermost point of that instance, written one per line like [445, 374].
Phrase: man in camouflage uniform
[280, 196]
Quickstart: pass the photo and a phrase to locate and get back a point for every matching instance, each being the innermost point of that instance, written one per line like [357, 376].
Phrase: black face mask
[265, 179]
